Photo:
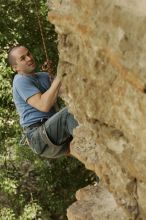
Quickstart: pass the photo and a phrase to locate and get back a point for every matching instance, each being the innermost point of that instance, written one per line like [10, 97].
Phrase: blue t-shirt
[23, 88]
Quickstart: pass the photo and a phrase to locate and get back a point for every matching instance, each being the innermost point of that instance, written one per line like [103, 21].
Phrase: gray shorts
[52, 139]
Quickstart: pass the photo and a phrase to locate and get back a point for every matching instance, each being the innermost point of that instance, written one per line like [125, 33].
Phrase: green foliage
[7, 214]
[30, 187]
[31, 211]
[8, 185]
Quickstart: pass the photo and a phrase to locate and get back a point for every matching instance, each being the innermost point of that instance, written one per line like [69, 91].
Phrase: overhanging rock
[102, 46]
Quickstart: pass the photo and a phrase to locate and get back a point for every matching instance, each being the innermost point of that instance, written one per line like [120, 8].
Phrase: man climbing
[49, 133]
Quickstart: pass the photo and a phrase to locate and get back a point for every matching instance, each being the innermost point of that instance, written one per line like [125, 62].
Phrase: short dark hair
[11, 59]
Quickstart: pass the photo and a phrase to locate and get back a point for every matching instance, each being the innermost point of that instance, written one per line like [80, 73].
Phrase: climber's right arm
[44, 102]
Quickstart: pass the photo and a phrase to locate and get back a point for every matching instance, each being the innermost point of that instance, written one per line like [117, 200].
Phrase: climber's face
[23, 61]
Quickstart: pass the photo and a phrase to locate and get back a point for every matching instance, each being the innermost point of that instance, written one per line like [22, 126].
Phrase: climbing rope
[41, 29]
[48, 65]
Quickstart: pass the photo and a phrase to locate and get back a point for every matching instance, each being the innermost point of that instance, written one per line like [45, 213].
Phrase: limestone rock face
[102, 46]
[91, 205]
